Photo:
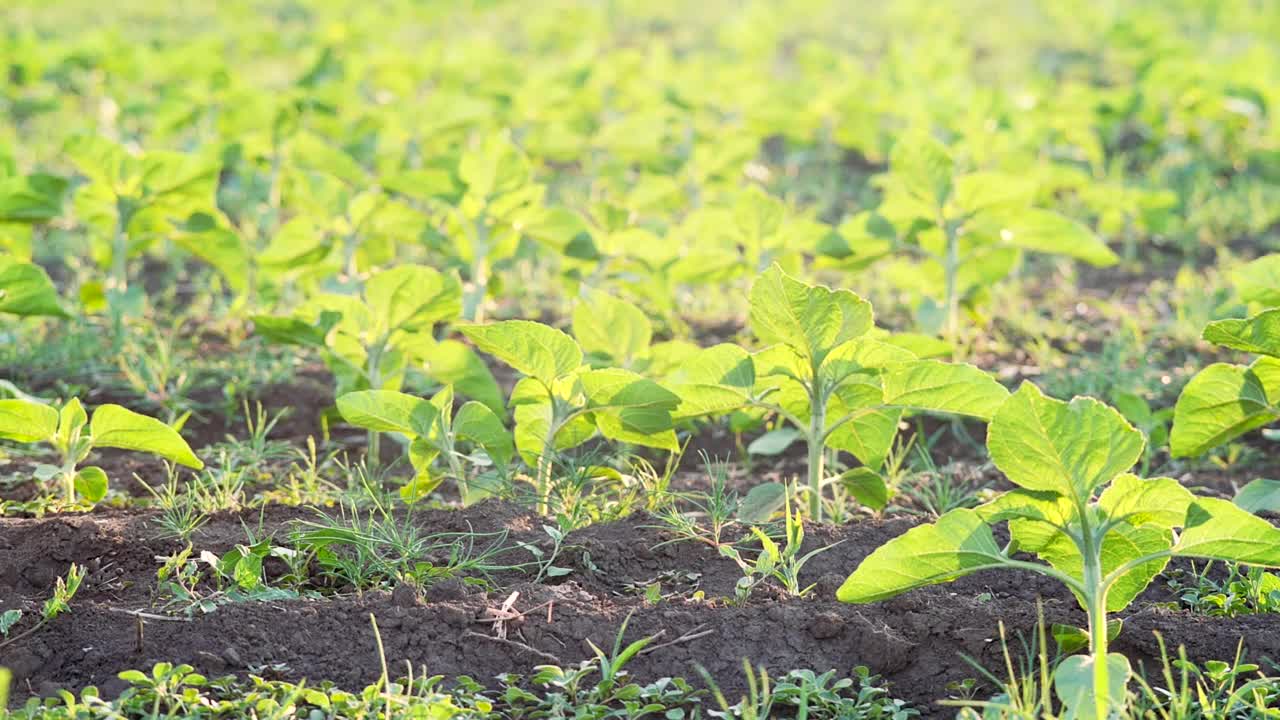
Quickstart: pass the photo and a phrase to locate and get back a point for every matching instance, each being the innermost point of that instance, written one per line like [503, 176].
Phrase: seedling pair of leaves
[434, 432]
[823, 375]
[965, 231]
[73, 435]
[1103, 533]
[1224, 400]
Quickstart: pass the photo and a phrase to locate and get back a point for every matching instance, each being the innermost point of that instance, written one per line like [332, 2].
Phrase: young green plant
[1100, 531]
[561, 402]
[370, 340]
[434, 431]
[966, 230]
[70, 431]
[823, 374]
[1225, 400]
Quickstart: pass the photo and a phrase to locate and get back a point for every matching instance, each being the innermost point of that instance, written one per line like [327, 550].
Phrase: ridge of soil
[916, 641]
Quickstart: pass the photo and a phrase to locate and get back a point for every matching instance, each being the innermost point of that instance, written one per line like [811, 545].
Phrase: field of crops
[621, 359]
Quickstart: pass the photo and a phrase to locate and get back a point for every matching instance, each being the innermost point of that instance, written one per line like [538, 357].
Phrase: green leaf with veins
[388, 411]
[1223, 402]
[1069, 448]
[1122, 544]
[537, 350]
[958, 544]
[1161, 502]
[811, 320]
[1219, 530]
[27, 422]
[611, 329]
[477, 423]
[1259, 334]
[117, 427]
[943, 387]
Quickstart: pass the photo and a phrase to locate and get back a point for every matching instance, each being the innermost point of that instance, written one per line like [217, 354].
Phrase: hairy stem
[817, 459]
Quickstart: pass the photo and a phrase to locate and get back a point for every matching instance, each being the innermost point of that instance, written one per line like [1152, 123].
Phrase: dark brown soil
[916, 641]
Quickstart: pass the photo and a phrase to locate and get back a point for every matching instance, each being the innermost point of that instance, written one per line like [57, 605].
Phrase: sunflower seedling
[71, 432]
[1100, 531]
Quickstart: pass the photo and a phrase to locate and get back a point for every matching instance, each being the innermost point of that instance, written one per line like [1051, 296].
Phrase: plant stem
[1096, 597]
[374, 451]
[816, 440]
[543, 479]
[69, 484]
[951, 267]
[118, 281]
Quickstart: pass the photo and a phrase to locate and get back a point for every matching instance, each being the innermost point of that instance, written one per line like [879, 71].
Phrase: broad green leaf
[812, 320]
[943, 387]
[1218, 530]
[1070, 448]
[774, 442]
[1048, 232]
[618, 388]
[867, 487]
[532, 411]
[1223, 402]
[537, 350]
[762, 502]
[724, 364]
[479, 424]
[102, 161]
[296, 331]
[1073, 684]
[1123, 544]
[412, 297]
[923, 167]
[1260, 495]
[704, 400]
[862, 354]
[1020, 504]
[639, 426]
[118, 427]
[420, 487]
[71, 421]
[91, 483]
[612, 329]
[388, 411]
[920, 345]
[1259, 334]
[867, 427]
[987, 190]
[451, 362]
[31, 199]
[27, 422]
[958, 544]
[1259, 281]
[221, 247]
[1162, 502]
[25, 289]
[1071, 639]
